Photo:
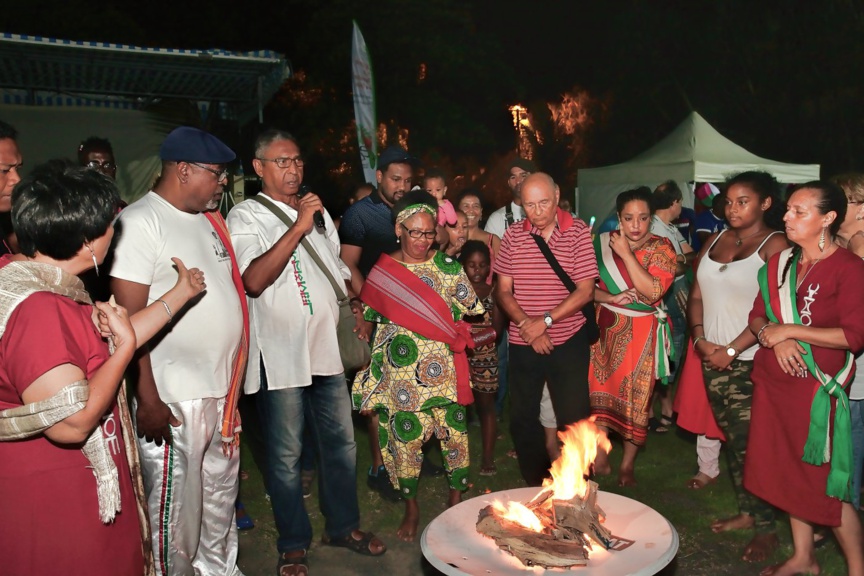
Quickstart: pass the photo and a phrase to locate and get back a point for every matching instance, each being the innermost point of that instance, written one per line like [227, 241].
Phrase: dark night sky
[779, 77]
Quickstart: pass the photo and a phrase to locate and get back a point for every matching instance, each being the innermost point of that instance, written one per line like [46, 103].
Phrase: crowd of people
[745, 321]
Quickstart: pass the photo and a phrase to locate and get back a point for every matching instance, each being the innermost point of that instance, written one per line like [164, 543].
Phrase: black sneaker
[381, 483]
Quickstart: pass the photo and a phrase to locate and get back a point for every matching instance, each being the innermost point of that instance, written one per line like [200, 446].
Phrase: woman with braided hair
[808, 321]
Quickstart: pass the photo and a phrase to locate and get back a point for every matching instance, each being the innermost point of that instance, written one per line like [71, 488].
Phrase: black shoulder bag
[592, 332]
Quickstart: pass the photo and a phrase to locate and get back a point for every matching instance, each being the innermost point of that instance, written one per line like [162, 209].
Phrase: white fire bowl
[452, 544]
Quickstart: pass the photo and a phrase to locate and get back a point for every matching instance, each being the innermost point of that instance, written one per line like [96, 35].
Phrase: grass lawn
[662, 470]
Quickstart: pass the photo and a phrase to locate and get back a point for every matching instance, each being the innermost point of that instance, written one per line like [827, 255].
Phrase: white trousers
[708, 455]
[191, 488]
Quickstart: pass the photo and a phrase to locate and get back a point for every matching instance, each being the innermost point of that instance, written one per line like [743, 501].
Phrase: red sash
[231, 417]
[400, 296]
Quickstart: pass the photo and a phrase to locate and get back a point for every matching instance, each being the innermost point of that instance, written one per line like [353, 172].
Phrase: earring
[822, 240]
[397, 239]
[93, 255]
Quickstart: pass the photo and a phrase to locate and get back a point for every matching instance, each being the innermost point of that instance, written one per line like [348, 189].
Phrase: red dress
[780, 418]
[49, 512]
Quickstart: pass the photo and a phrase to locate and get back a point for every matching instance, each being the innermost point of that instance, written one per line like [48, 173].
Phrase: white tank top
[728, 295]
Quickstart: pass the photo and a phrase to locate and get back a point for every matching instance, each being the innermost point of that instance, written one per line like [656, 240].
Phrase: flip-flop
[658, 426]
[361, 546]
[698, 482]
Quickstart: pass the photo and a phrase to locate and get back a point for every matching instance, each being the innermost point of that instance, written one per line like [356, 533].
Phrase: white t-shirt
[293, 321]
[497, 222]
[193, 355]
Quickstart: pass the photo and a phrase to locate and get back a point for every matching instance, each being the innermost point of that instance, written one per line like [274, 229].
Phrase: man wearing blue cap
[184, 403]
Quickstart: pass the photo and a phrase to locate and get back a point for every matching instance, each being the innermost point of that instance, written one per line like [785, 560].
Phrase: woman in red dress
[55, 362]
[807, 319]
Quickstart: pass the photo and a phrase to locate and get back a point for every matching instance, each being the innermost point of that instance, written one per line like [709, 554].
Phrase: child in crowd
[476, 261]
[435, 183]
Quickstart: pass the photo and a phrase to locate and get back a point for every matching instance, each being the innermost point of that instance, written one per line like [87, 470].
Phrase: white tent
[693, 152]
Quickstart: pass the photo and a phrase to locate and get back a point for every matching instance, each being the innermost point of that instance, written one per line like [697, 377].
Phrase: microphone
[318, 217]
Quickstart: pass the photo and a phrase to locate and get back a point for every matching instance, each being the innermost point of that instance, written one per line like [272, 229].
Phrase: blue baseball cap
[187, 144]
[395, 155]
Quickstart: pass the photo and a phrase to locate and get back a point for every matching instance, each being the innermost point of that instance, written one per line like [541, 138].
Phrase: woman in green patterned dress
[417, 297]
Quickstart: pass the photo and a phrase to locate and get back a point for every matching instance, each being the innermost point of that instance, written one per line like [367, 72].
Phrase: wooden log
[531, 548]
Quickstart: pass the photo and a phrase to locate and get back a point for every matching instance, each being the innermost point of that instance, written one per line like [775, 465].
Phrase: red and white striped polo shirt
[535, 285]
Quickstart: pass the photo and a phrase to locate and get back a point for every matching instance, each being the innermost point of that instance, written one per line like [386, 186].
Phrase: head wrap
[409, 211]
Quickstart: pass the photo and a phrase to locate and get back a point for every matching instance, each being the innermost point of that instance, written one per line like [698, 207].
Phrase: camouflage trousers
[731, 396]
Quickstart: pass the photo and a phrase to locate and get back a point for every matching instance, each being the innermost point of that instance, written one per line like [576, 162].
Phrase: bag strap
[508, 215]
[553, 262]
[341, 296]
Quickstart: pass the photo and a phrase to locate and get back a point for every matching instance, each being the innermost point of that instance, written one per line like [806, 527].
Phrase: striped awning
[48, 71]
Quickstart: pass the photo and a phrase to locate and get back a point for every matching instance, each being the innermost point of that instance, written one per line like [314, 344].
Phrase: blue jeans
[326, 407]
[856, 409]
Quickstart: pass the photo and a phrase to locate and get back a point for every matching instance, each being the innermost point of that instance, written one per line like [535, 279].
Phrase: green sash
[818, 449]
[613, 273]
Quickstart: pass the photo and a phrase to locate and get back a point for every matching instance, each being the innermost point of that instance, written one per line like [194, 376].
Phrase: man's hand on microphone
[307, 207]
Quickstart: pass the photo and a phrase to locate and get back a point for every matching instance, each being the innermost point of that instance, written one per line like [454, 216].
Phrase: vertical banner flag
[364, 104]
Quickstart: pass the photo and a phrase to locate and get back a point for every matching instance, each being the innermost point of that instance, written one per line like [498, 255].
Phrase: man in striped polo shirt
[546, 340]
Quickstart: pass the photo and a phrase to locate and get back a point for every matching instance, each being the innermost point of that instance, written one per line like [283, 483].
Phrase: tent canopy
[693, 152]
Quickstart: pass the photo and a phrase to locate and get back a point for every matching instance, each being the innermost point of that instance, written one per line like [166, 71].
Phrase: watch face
[731, 351]
[548, 320]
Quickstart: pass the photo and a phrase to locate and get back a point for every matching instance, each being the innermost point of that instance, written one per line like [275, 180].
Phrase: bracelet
[696, 341]
[167, 309]
[759, 334]
[694, 326]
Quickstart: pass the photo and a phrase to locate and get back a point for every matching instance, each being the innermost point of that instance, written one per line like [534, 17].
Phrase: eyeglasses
[284, 162]
[9, 167]
[97, 165]
[220, 174]
[428, 234]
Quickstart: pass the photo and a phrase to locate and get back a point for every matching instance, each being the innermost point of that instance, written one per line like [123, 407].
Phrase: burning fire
[580, 442]
[518, 513]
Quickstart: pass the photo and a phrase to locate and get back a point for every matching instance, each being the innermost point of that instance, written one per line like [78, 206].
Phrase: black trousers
[565, 371]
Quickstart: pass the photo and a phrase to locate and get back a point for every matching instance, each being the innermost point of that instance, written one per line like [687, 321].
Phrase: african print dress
[622, 373]
[411, 383]
[484, 358]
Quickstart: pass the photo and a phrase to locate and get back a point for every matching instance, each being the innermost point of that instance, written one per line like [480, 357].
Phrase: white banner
[363, 85]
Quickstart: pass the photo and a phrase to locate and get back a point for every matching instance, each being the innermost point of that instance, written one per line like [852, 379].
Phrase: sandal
[488, 470]
[361, 546]
[659, 426]
[292, 564]
[700, 481]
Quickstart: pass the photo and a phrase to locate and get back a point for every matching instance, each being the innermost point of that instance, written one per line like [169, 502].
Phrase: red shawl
[398, 295]
[231, 417]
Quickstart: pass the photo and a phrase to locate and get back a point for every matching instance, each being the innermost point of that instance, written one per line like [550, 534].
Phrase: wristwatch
[547, 319]
[732, 352]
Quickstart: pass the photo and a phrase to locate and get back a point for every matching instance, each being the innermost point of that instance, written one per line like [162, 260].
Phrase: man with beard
[189, 376]
[504, 217]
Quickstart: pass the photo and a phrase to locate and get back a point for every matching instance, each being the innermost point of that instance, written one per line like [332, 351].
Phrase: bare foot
[626, 478]
[760, 548]
[408, 529]
[791, 567]
[739, 522]
[601, 464]
[701, 480]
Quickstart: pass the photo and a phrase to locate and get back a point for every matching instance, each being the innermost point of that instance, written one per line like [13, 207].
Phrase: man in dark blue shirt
[367, 229]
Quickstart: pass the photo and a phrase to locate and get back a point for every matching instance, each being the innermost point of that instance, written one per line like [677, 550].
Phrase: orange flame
[518, 513]
[580, 443]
